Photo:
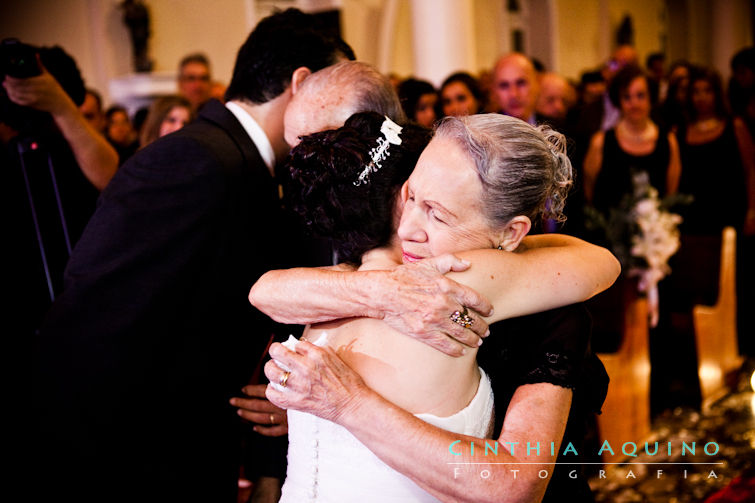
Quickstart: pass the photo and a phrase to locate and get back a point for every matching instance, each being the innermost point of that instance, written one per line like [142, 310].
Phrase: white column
[443, 38]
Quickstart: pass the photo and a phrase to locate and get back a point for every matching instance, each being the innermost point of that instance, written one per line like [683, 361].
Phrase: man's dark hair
[277, 46]
[324, 167]
[653, 57]
[591, 77]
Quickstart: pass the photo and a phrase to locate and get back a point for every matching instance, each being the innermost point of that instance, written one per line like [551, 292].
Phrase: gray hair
[524, 169]
[357, 87]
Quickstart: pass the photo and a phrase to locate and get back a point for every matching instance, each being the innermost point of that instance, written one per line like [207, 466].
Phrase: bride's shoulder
[379, 259]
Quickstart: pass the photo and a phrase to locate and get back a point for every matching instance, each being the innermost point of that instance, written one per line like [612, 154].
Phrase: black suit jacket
[153, 332]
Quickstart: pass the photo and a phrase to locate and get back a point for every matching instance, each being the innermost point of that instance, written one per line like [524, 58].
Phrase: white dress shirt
[256, 133]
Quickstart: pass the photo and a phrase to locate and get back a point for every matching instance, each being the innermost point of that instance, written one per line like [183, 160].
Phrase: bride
[474, 192]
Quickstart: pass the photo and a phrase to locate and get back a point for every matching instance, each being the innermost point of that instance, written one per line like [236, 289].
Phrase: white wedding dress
[328, 464]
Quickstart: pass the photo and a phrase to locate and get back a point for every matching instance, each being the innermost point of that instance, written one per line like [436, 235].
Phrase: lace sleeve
[554, 368]
[564, 357]
[563, 340]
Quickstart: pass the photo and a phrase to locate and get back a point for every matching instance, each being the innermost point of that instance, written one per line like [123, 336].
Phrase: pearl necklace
[646, 134]
[707, 125]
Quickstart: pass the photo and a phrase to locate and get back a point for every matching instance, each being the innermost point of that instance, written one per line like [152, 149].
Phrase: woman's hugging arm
[552, 270]
[323, 385]
[416, 301]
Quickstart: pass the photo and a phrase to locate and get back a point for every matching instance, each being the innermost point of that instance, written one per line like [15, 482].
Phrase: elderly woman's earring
[500, 247]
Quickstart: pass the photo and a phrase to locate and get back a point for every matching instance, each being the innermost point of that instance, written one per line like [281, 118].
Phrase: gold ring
[284, 379]
[462, 318]
[272, 419]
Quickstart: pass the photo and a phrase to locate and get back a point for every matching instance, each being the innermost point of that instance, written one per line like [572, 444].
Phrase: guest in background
[460, 94]
[601, 114]
[194, 80]
[592, 87]
[712, 138]
[709, 139]
[120, 132]
[555, 99]
[655, 65]
[167, 114]
[670, 113]
[635, 144]
[419, 100]
[516, 86]
[92, 110]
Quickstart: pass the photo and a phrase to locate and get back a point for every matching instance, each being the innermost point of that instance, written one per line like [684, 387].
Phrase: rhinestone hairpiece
[391, 132]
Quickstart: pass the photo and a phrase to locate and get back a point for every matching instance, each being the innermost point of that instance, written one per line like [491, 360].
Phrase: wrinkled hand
[420, 301]
[269, 420]
[320, 383]
[41, 92]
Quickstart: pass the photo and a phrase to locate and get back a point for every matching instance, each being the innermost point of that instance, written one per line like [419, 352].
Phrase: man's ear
[299, 75]
[515, 230]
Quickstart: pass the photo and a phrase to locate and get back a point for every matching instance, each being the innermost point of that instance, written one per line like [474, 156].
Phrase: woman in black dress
[715, 151]
[635, 144]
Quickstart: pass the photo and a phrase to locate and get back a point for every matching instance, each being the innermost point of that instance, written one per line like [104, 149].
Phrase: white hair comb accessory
[391, 132]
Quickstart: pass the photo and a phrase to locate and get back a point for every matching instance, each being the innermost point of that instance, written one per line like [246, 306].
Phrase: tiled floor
[728, 427]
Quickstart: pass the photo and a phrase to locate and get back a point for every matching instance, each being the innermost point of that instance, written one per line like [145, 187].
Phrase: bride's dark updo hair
[324, 168]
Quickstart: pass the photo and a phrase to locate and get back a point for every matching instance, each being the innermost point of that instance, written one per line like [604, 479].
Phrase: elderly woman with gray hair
[375, 415]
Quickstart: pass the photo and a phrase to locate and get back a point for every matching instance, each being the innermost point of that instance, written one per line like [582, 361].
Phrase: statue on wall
[136, 18]
[625, 32]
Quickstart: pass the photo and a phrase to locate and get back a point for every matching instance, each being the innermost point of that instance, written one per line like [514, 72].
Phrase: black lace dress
[551, 347]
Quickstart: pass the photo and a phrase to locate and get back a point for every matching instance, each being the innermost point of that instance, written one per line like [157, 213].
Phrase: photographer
[54, 164]
[96, 158]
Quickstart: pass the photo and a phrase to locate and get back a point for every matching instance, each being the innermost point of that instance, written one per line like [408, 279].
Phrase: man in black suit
[154, 310]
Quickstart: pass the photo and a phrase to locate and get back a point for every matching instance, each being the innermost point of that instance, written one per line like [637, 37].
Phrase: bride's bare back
[405, 371]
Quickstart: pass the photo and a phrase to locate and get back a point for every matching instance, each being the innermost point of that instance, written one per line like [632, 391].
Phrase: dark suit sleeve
[116, 330]
[150, 223]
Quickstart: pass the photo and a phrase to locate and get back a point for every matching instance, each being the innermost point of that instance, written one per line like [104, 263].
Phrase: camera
[18, 59]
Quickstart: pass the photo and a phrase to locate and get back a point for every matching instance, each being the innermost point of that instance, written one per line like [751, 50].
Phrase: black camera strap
[28, 147]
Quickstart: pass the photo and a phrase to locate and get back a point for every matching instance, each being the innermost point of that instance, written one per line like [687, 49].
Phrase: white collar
[255, 132]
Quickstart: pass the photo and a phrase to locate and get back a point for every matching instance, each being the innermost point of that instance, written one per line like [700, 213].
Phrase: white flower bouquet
[643, 234]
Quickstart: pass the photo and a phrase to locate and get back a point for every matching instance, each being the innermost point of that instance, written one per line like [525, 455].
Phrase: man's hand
[269, 420]
[418, 300]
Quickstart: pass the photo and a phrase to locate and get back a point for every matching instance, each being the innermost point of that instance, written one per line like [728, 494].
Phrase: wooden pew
[626, 411]
[716, 327]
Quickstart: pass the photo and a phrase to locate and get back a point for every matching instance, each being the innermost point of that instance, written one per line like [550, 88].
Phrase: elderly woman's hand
[419, 301]
[319, 382]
